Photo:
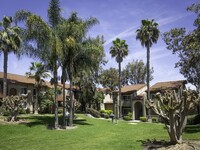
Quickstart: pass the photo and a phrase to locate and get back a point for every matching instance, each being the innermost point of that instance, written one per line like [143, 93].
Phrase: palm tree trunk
[5, 67]
[55, 98]
[64, 96]
[148, 77]
[36, 101]
[71, 99]
[119, 102]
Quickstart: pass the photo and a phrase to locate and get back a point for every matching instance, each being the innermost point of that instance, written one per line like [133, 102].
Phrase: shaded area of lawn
[91, 134]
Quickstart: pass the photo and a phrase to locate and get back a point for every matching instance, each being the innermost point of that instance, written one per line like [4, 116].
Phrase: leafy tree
[46, 101]
[10, 40]
[148, 34]
[135, 72]
[119, 50]
[13, 104]
[38, 72]
[87, 77]
[186, 45]
[173, 110]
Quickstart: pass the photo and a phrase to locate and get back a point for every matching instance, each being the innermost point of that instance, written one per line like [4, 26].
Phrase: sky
[118, 18]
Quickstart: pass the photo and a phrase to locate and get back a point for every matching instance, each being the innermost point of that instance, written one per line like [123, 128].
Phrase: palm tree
[148, 34]
[119, 50]
[38, 72]
[10, 40]
[46, 39]
[73, 51]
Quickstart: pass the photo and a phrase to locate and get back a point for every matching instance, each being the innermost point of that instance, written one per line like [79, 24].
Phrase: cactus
[173, 110]
[12, 104]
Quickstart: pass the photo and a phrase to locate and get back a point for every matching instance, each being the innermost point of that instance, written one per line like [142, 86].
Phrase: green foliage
[60, 111]
[22, 111]
[135, 72]
[154, 119]
[105, 113]
[130, 114]
[127, 118]
[143, 119]
[187, 47]
[119, 50]
[109, 78]
[193, 119]
[93, 112]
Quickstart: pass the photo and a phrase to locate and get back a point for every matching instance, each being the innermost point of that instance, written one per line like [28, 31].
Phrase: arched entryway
[13, 91]
[138, 110]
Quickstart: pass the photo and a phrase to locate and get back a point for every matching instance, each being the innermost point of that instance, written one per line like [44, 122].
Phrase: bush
[127, 118]
[93, 112]
[130, 114]
[60, 111]
[105, 113]
[22, 111]
[154, 119]
[143, 119]
[193, 119]
[6, 113]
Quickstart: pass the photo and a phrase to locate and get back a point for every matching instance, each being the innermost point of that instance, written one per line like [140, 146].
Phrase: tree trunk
[36, 101]
[55, 98]
[148, 77]
[5, 67]
[119, 102]
[64, 96]
[173, 131]
[71, 99]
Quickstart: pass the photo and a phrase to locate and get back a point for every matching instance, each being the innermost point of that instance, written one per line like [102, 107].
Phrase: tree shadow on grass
[192, 128]
[49, 121]
[154, 144]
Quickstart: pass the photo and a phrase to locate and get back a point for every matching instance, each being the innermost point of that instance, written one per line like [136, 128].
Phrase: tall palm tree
[38, 72]
[148, 34]
[119, 50]
[46, 39]
[10, 40]
[73, 51]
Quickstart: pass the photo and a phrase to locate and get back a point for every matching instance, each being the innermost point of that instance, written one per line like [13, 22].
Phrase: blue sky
[117, 19]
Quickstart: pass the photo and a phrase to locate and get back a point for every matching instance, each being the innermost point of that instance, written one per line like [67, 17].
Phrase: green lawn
[91, 134]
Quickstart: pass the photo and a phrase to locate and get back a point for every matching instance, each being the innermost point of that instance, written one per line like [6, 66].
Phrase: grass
[91, 134]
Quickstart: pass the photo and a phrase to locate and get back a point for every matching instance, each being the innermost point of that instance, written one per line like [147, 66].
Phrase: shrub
[143, 119]
[22, 111]
[106, 116]
[130, 114]
[60, 111]
[105, 113]
[93, 112]
[127, 118]
[6, 113]
[154, 119]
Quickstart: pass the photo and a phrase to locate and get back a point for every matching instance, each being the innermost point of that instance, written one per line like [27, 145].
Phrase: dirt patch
[164, 145]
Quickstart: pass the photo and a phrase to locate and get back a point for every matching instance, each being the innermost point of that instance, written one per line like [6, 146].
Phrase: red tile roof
[130, 88]
[170, 85]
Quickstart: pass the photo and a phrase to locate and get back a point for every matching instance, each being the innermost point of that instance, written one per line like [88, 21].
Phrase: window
[23, 90]
[126, 97]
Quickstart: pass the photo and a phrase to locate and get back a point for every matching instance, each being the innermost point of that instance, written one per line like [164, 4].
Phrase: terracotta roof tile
[18, 78]
[170, 85]
[130, 88]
